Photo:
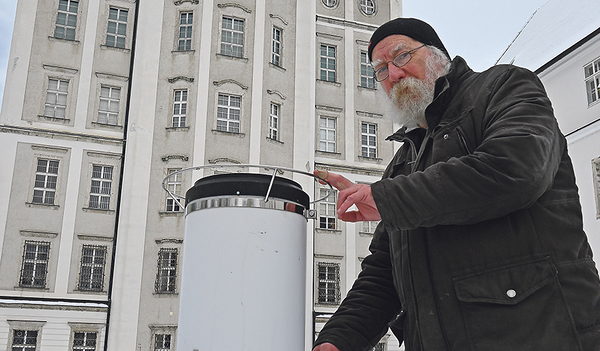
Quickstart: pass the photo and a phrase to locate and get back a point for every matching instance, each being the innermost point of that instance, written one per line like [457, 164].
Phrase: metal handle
[275, 169]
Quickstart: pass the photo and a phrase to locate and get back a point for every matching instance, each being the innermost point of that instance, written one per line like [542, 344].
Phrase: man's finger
[337, 181]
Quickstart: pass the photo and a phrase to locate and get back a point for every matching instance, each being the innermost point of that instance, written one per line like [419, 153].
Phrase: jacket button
[511, 293]
[445, 136]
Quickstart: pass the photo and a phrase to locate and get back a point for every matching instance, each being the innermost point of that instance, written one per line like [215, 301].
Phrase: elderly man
[481, 244]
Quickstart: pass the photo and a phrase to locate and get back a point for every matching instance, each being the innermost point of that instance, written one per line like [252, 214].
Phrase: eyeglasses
[399, 61]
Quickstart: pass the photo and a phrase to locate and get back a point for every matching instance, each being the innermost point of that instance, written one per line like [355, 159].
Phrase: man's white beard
[409, 98]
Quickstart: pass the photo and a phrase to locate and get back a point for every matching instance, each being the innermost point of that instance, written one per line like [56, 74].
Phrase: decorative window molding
[226, 5]
[369, 114]
[179, 2]
[279, 18]
[223, 160]
[178, 78]
[62, 150]
[25, 335]
[166, 274]
[175, 157]
[111, 76]
[362, 42]
[368, 7]
[168, 241]
[275, 92]
[163, 337]
[93, 237]
[104, 155]
[58, 69]
[38, 234]
[329, 36]
[225, 81]
[329, 108]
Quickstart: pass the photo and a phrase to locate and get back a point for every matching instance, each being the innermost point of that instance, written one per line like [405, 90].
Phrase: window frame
[225, 123]
[327, 129]
[231, 48]
[368, 150]
[179, 108]
[97, 270]
[14, 326]
[274, 121]
[330, 74]
[175, 185]
[38, 264]
[46, 174]
[277, 46]
[323, 285]
[166, 275]
[367, 74]
[163, 330]
[110, 102]
[67, 23]
[118, 24]
[327, 214]
[366, 8]
[330, 4]
[85, 346]
[591, 72]
[61, 81]
[100, 195]
[188, 27]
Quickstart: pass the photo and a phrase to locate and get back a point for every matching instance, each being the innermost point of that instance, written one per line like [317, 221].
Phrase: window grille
[327, 134]
[179, 107]
[369, 140]
[117, 27]
[330, 3]
[108, 109]
[367, 7]
[34, 270]
[329, 283]
[276, 47]
[93, 263]
[46, 176]
[84, 341]
[592, 81]
[24, 340]
[167, 271]
[228, 113]
[379, 347]
[162, 342]
[101, 187]
[232, 37]
[66, 19]
[367, 79]
[327, 210]
[186, 20]
[56, 98]
[327, 63]
[274, 122]
[174, 184]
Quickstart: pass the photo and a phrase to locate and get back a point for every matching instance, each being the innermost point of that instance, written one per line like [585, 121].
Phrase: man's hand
[352, 194]
[325, 347]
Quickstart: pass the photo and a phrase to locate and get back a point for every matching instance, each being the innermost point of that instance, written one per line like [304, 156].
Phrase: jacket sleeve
[513, 165]
[363, 317]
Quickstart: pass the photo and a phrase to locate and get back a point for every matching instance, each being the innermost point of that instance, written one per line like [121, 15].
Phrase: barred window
[276, 47]
[56, 98]
[368, 140]
[379, 347]
[34, 269]
[367, 79]
[329, 283]
[179, 107]
[167, 271]
[327, 210]
[101, 187]
[186, 20]
[367, 7]
[174, 184]
[327, 69]
[108, 108]
[274, 121]
[327, 134]
[232, 37]
[24, 340]
[330, 3]
[46, 176]
[592, 81]
[228, 113]
[93, 263]
[162, 342]
[66, 19]
[117, 27]
[84, 341]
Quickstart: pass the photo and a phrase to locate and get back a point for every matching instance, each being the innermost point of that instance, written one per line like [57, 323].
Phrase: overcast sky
[477, 30]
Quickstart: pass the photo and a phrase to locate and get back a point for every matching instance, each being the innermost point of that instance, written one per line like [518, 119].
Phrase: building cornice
[54, 134]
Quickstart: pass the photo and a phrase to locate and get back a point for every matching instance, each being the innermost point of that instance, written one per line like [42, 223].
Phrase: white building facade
[104, 98]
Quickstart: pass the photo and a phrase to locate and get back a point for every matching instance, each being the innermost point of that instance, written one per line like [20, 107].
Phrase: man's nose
[395, 73]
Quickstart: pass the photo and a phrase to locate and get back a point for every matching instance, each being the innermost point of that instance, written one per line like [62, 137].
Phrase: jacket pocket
[516, 307]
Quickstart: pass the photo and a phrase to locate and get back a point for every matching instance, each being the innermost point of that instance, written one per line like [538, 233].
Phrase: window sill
[90, 292]
[108, 126]
[361, 233]
[54, 119]
[328, 154]
[171, 213]
[35, 204]
[370, 159]
[178, 129]
[98, 210]
[275, 141]
[125, 50]
[183, 52]
[239, 135]
[328, 231]
[366, 88]
[337, 84]
[235, 58]
[277, 67]
[165, 294]
[32, 288]
[70, 41]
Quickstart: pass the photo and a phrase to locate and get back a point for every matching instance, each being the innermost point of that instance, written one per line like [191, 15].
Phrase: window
[117, 27]
[56, 98]
[366, 72]
[186, 20]
[367, 7]
[232, 37]
[179, 107]
[228, 113]
[66, 19]
[84, 341]
[327, 209]
[24, 340]
[329, 283]
[379, 347]
[167, 271]
[162, 342]
[596, 177]
[368, 140]
[35, 264]
[592, 81]
[174, 186]
[108, 108]
[93, 262]
[327, 134]
[101, 186]
[327, 63]
[274, 121]
[44, 188]
[369, 226]
[276, 47]
[330, 3]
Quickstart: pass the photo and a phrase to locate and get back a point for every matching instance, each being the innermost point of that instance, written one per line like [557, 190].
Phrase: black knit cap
[411, 27]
